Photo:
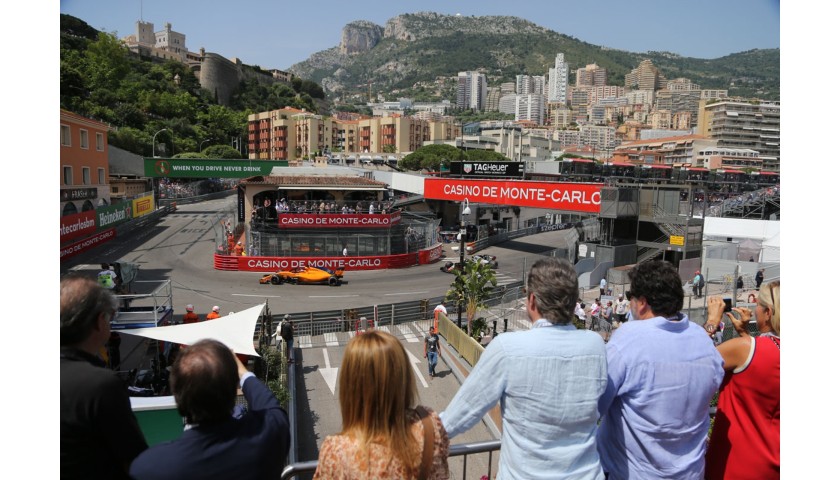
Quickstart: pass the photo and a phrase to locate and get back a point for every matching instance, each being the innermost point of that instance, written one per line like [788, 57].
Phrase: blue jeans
[433, 358]
[290, 348]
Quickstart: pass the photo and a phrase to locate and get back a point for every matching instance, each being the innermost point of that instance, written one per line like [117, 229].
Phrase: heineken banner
[487, 169]
[203, 168]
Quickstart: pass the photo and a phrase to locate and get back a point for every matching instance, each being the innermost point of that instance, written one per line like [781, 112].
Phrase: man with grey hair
[548, 381]
[99, 433]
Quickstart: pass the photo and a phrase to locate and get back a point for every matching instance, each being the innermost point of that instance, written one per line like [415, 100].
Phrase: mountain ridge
[406, 56]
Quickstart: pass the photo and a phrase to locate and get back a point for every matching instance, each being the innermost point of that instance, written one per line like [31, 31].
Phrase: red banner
[77, 225]
[575, 197]
[337, 220]
[88, 243]
[273, 264]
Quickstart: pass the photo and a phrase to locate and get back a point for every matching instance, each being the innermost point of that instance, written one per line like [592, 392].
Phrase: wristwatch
[710, 328]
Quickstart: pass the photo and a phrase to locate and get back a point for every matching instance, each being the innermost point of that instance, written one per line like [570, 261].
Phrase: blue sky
[277, 34]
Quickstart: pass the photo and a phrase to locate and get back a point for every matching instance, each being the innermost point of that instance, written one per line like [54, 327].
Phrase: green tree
[221, 151]
[189, 155]
[485, 156]
[472, 287]
[430, 157]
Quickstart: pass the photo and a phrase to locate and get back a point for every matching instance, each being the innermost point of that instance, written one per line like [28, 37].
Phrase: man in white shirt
[621, 307]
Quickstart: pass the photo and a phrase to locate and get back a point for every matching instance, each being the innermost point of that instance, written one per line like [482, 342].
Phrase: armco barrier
[225, 262]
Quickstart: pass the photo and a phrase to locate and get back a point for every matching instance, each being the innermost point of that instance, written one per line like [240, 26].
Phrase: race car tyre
[333, 281]
[275, 280]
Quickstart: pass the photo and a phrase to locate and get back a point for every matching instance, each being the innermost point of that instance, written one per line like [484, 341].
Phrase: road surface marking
[331, 339]
[249, 295]
[405, 293]
[305, 341]
[331, 296]
[329, 374]
[414, 361]
[407, 334]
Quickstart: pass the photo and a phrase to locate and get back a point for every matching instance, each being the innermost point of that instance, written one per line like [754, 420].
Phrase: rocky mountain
[420, 55]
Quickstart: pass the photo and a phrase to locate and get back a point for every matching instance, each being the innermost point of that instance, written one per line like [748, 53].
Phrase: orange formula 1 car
[315, 275]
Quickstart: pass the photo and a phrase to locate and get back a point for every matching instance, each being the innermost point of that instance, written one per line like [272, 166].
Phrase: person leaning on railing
[382, 436]
[745, 440]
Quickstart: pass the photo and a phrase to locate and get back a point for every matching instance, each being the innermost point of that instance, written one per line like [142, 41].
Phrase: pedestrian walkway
[413, 332]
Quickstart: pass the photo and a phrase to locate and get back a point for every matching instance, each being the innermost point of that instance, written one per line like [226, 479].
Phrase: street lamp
[202, 144]
[462, 236]
[154, 150]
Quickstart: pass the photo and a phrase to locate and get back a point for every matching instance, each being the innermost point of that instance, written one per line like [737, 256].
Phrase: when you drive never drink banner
[205, 168]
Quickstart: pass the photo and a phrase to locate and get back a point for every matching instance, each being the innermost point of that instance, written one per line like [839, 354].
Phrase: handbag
[428, 443]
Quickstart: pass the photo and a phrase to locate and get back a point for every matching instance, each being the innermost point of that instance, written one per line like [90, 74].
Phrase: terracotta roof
[314, 180]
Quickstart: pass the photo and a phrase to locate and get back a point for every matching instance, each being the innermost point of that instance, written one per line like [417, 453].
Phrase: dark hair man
[215, 444]
[663, 371]
[99, 433]
[548, 379]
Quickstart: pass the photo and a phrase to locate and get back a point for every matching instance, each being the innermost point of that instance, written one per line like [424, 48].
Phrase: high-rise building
[472, 90]
[644, 77]
[526, 84]
[558, 79]
[530, 107]
[591, 76]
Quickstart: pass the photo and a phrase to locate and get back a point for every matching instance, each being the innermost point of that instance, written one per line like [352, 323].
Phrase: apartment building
[472, 90]
[558, 79]
[678, 101]
[84, 163]
[716, 157]
[291, 134]
[530, 84]
[558, 114]
[644, 77]
[494, 94]
[666, 150]
[743, 125]
[591, 76]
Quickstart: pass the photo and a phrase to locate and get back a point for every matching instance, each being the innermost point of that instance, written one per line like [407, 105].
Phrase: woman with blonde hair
[745, 439]
[382, 436]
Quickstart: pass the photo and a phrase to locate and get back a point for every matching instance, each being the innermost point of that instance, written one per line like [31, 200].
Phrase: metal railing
[464, 450]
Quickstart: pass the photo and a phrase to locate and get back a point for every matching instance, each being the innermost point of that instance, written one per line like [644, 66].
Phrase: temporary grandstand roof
[235, 330]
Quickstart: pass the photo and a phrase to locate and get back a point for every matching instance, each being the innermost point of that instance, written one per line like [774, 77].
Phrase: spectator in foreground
[547, 379]
[99, 433]
[215, 445]
[663, 371]
[746, 437]
[382, 436]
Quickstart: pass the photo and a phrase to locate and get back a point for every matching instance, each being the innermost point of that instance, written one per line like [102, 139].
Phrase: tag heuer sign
[487, 169]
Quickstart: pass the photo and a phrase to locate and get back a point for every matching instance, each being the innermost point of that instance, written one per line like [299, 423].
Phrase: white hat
[215, 308]
[190, 308]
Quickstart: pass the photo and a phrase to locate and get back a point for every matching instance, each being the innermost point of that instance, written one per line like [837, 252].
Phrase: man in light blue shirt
[547, 380]
[663, 371]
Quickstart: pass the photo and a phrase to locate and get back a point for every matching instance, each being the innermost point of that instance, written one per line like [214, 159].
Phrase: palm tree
[473, 285]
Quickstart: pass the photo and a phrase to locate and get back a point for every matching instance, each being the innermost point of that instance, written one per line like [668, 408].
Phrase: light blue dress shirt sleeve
[482, 389]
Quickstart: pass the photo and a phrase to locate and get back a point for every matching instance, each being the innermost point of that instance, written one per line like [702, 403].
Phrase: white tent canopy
[763, 234]
[235, 330]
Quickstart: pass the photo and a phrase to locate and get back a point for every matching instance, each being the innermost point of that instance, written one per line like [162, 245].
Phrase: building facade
[84, 163]
[472, 90]
[743, 125]
[558, 79]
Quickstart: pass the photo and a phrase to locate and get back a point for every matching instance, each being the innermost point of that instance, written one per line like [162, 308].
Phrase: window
[100, 172]
[100, 142]
[68, 175]
[83, 138]
[65, 135]
[86, 175]
[114, 189]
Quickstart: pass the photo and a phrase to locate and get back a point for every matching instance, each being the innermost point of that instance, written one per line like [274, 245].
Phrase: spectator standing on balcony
[382, 436]
[548, 381]
[99, 434]
[745, 440]
[663, 371]
[759, 277]
[214, 444]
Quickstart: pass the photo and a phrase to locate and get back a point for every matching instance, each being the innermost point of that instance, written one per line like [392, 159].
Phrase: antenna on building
[141, 10]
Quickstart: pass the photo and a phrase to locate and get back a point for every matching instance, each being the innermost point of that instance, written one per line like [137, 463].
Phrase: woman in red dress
[745, 438]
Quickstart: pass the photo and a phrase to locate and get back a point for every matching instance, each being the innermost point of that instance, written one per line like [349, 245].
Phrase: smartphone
[728, 303]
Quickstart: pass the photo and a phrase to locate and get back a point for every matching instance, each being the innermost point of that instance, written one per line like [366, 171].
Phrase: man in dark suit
[215, 444]
[99, 433]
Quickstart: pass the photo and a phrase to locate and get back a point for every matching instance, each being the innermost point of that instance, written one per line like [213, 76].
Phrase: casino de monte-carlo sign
[487, 169]
[572, 197]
